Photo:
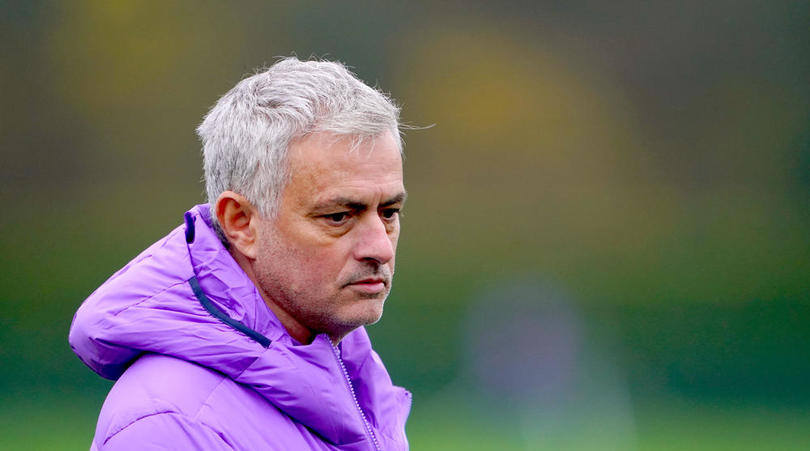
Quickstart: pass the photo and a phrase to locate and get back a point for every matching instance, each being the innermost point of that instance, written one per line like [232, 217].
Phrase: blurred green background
[606, 244]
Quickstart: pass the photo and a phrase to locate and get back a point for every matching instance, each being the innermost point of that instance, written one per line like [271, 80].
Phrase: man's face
[327, 258]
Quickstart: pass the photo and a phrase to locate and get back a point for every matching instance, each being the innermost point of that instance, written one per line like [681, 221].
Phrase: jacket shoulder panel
[155, 384]
[164, 431]
[161, 402]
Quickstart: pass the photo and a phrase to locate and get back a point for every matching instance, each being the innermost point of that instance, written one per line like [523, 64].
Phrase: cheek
[319, 259]
[394, 240]
[315, 268]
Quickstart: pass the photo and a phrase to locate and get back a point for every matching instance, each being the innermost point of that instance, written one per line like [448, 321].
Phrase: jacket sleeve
[164, 431]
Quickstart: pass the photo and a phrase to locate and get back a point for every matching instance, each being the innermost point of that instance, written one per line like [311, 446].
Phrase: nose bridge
[373, 241]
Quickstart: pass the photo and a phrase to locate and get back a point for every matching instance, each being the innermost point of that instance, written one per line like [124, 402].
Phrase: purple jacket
[202, 363]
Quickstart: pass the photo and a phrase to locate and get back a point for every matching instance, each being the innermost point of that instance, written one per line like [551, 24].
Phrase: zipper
[354, 398]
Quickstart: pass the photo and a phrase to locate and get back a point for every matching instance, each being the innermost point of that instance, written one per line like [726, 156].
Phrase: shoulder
[159, 397]
[154, 396]
[161, 402]
[163, 431]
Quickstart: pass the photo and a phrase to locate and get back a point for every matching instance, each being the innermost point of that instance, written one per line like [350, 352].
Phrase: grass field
[442, 425]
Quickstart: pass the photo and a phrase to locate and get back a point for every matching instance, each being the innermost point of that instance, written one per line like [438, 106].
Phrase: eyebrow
[397, 199]
[354, 204]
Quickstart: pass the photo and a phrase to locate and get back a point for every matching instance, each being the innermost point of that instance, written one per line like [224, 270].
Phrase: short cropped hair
[246, 134]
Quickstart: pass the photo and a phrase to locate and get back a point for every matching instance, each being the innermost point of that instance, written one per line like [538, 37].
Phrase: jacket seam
[149, 298]
[204, 403]
[166, 412]
[248, 366]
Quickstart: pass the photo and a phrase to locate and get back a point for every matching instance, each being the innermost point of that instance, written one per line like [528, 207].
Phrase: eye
[390, 214]
[336, 219]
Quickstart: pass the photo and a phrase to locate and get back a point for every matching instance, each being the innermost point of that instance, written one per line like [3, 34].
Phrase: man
[243, 328]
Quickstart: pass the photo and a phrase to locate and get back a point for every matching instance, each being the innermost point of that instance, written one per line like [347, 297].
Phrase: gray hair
[246, 135]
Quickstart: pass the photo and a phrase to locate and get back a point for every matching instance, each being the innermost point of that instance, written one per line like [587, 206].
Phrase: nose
[374, 241]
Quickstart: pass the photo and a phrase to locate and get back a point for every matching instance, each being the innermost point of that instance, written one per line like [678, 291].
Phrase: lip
[369, 285]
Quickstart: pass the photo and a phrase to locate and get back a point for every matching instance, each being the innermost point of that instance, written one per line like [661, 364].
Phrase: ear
[239, 221]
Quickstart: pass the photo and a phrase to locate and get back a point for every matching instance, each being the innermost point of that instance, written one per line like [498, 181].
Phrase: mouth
[370, 285]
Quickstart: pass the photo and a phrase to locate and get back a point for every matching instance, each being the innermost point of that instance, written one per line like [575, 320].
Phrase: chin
[371, 313]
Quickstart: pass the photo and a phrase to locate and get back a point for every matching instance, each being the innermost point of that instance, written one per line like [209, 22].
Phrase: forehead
[323, 165]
